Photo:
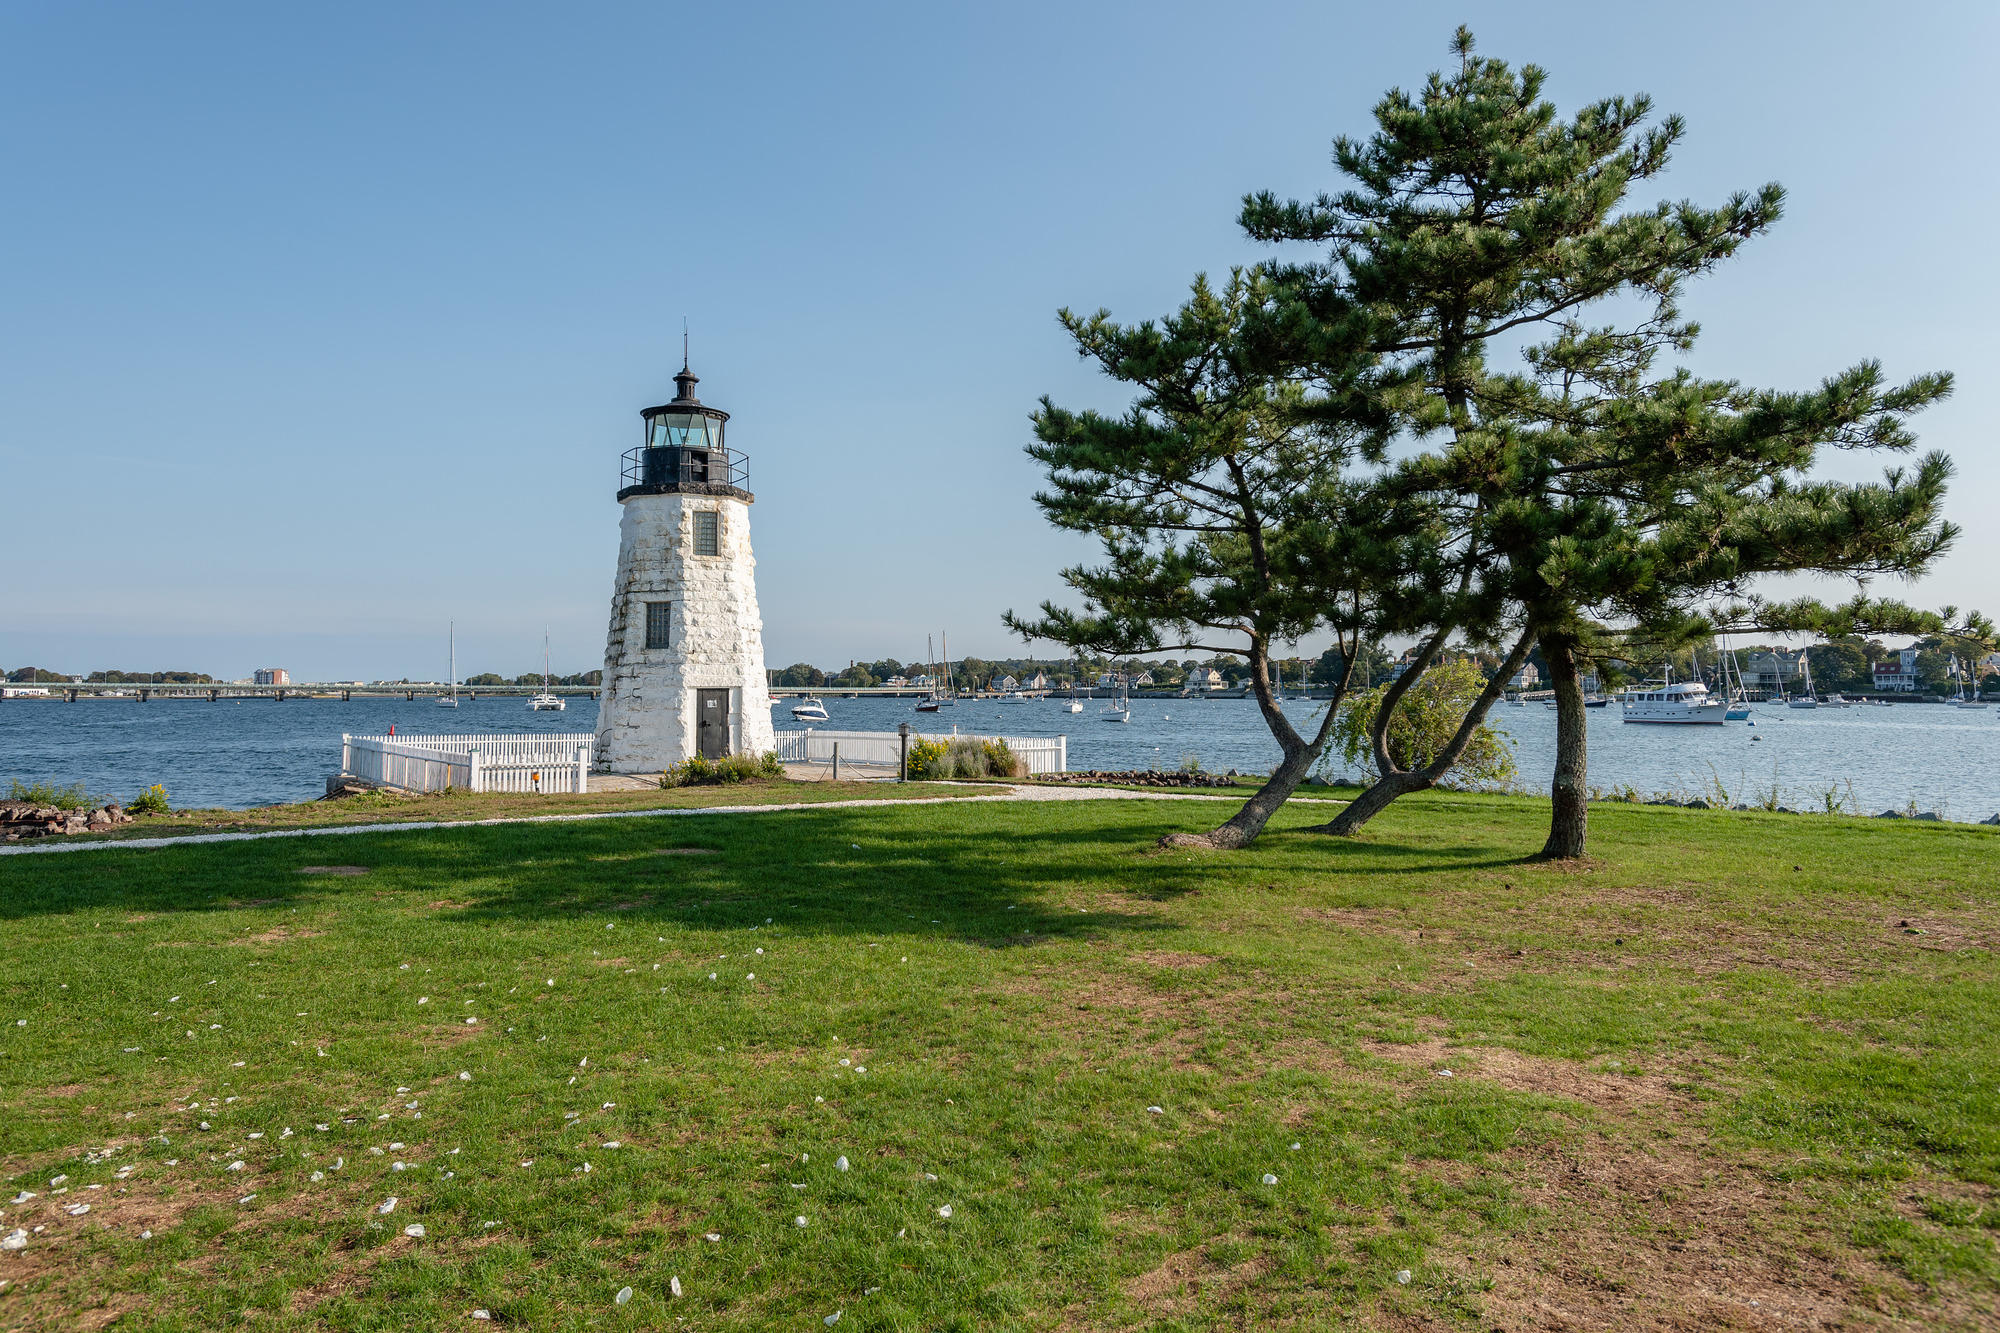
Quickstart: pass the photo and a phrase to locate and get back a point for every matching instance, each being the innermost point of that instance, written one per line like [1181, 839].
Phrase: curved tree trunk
[1242, 828]
[1569, 816]
[1394, 783]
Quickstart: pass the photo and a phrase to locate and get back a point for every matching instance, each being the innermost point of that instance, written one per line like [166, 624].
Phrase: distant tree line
[535, 678]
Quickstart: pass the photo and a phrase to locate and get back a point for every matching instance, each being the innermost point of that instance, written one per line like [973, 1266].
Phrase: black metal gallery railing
[667, 465]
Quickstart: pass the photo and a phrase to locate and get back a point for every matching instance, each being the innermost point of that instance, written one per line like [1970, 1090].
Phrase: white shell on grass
[624, 1295]
[1270, 1179]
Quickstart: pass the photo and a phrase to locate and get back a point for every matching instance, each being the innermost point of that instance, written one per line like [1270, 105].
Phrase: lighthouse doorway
[711, 728]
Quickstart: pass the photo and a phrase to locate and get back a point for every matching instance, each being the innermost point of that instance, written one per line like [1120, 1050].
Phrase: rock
[1994, 820]
[1696, 804]
[17, 1239]
[415, 1230]
[1890, 814]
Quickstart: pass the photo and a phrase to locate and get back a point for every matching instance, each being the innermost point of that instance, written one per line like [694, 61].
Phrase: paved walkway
[1012, 793]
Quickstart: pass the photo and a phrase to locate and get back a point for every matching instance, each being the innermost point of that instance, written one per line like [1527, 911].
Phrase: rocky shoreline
[24, 819]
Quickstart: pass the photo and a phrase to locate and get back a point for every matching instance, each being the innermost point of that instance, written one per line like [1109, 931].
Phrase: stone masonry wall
[647, 717]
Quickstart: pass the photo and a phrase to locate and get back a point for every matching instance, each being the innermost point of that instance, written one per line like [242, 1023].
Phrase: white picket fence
[552, 764]
[1043, 754]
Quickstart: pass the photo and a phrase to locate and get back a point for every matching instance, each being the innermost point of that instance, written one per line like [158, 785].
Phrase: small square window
[704, 532]
[659, 621]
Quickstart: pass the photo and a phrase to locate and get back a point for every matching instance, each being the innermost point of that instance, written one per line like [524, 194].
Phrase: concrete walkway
[1012, 793]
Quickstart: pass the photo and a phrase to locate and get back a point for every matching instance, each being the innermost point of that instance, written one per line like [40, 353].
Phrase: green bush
[47, 793]
[965, 758]
[152, 801]
[696, 771]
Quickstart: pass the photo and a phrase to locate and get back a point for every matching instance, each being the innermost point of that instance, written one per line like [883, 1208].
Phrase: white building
[271, 676]
[684, 656]
[1898, 674]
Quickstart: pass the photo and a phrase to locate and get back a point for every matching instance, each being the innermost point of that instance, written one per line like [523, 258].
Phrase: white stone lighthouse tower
[684, 660]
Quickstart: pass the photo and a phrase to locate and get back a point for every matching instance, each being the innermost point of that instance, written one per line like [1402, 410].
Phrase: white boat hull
[1704, 715]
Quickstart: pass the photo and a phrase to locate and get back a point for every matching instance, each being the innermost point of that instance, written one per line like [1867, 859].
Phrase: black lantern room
[684, 451]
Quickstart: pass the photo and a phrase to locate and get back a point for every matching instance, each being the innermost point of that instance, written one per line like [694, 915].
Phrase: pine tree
[1594, 503]
[1229, 513]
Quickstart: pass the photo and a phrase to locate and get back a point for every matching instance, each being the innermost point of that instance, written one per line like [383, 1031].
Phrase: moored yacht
[809, 709]
[1683, 703]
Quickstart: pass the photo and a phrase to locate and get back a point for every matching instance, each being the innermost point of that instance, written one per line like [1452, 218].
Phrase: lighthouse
[684, 658]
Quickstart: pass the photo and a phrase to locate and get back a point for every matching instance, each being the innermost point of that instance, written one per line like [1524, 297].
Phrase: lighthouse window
[704, 532]
[659, 619]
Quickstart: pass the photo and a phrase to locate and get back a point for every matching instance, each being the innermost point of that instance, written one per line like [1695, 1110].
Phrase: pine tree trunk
[1569, 815]
[1373, 801]
[1242, 829]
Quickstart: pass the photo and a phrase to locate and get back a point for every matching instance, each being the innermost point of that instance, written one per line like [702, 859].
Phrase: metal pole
[836, 761]
[903, 752]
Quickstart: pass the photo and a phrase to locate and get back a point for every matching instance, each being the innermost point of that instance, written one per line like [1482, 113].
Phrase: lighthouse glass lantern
[684, 656]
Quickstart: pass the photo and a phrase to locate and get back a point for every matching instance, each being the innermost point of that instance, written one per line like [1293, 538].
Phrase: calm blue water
[250, 752]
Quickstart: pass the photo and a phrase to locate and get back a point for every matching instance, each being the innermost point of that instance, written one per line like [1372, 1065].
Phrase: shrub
[47, 793]
[944, 758]
[1425, 721]
[152, 801]
[695, 771]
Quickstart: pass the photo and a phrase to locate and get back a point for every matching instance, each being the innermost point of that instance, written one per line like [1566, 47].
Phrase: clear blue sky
[320, 326]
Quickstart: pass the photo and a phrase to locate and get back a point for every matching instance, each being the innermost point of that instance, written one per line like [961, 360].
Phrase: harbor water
[239, 753]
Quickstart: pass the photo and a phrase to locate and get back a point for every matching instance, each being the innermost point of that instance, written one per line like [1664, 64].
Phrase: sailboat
[1738, 709]
[1120, 707]
[1959, 698]
[1810, 699]
[933, 701]
[545, 702]
[1075, 705]
[452, 702]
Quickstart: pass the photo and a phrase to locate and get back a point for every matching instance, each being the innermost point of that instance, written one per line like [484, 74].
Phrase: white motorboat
[1688, 702]
[1012, 697]
[809, 710]
[546, 702]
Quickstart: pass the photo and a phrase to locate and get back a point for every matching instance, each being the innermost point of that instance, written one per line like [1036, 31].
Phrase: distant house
[1143, 678]
[1207, 678]
[896, 682]
[1898, 674]
[1771, 672]
[1006, 683]
[1040, 682]
[271, 676]
[1527, 678]
[924, 681]
[1107, 681]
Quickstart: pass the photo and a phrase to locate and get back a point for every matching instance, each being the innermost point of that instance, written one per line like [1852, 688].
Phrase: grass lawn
[385, 807]
[1739, 1071]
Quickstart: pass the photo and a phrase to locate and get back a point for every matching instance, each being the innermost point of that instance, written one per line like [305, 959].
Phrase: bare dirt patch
[1676, 1236]
[333, 870]
[1178, 1283]
[277, 935]
[1175, 959]
[1606, 1089]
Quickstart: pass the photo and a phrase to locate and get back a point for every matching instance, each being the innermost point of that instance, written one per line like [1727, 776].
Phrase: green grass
[386, 807]
[1707, 1068]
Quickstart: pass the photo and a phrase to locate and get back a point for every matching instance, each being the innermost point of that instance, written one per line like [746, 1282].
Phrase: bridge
[215, 692]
